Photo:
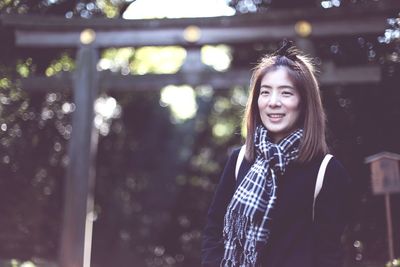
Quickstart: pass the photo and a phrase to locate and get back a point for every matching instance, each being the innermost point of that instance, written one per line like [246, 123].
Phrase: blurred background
[162, 144]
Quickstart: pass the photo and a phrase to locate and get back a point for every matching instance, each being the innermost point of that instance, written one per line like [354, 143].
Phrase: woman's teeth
[275, 115]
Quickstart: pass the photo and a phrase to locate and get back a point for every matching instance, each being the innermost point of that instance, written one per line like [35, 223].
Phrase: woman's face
[279, 104]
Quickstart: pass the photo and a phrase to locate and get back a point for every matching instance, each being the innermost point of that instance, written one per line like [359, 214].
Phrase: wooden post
[389, 226]
[76, 236]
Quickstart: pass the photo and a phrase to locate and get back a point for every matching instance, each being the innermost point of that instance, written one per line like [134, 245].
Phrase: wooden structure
[38, 31]
[385, 181]
[384, 173]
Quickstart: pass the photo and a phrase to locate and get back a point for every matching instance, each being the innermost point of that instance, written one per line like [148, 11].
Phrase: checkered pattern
[246, 223]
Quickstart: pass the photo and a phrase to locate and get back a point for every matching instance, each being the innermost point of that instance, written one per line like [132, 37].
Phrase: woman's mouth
[275, 117]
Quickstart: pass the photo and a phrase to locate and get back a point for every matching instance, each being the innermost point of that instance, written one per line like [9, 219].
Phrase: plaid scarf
[246, 223]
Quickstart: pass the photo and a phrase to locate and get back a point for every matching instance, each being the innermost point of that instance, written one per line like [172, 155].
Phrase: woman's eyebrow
[279, 87]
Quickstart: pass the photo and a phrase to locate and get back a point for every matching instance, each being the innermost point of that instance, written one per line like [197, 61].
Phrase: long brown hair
[312, 120]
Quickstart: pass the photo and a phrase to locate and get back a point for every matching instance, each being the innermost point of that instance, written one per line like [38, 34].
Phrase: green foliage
[158, 60]
[33, 263]
[393, 263]
[163, 174]
[33, 140]
[143, 60]
[63, 63]
[83, 8]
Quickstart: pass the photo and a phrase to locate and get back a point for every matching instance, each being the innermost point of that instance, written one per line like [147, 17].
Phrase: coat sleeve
[331, 216]
[212, 245]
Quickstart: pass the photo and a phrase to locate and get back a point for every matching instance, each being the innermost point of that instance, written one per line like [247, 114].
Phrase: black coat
[296, 240]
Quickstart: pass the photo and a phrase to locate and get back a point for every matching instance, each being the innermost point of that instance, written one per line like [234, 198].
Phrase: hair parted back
[301, 71]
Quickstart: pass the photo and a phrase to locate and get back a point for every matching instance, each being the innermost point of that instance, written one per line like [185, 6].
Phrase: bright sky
[146, 9]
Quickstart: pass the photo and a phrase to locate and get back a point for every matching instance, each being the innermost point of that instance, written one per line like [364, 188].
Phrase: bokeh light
[181, 100]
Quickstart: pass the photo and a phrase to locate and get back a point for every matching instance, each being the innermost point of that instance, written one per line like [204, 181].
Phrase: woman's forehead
[276, 76]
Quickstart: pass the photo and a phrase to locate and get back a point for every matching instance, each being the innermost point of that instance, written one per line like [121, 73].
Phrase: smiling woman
[264, 211]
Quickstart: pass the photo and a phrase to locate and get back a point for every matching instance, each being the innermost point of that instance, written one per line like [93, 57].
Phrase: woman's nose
[274, 100]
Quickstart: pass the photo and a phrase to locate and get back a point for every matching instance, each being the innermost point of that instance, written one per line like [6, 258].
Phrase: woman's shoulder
[335, 165]
[234, 153]
[336, 172]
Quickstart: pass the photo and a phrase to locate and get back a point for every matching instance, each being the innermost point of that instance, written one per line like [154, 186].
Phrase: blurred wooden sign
[385, 176]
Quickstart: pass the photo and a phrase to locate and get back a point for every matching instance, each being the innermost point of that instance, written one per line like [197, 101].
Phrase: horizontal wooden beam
[330, 75]
[260, 27]
[218, 80]
[165, 37]
[62, 81]
[175, 36]
[118, 82]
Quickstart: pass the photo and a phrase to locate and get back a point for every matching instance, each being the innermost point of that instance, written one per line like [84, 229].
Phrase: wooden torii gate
[35, 31]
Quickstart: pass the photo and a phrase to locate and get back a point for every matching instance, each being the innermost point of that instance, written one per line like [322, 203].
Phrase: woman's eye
[287, 93]
[264, 92]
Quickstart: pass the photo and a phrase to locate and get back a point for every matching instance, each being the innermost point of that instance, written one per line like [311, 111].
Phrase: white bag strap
[239, 160]
[320, 179]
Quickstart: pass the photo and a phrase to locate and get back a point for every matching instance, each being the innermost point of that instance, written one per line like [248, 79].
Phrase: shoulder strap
[320, 179]
[239, 160]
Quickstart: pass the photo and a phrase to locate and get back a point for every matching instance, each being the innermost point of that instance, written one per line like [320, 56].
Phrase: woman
[264, 217]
